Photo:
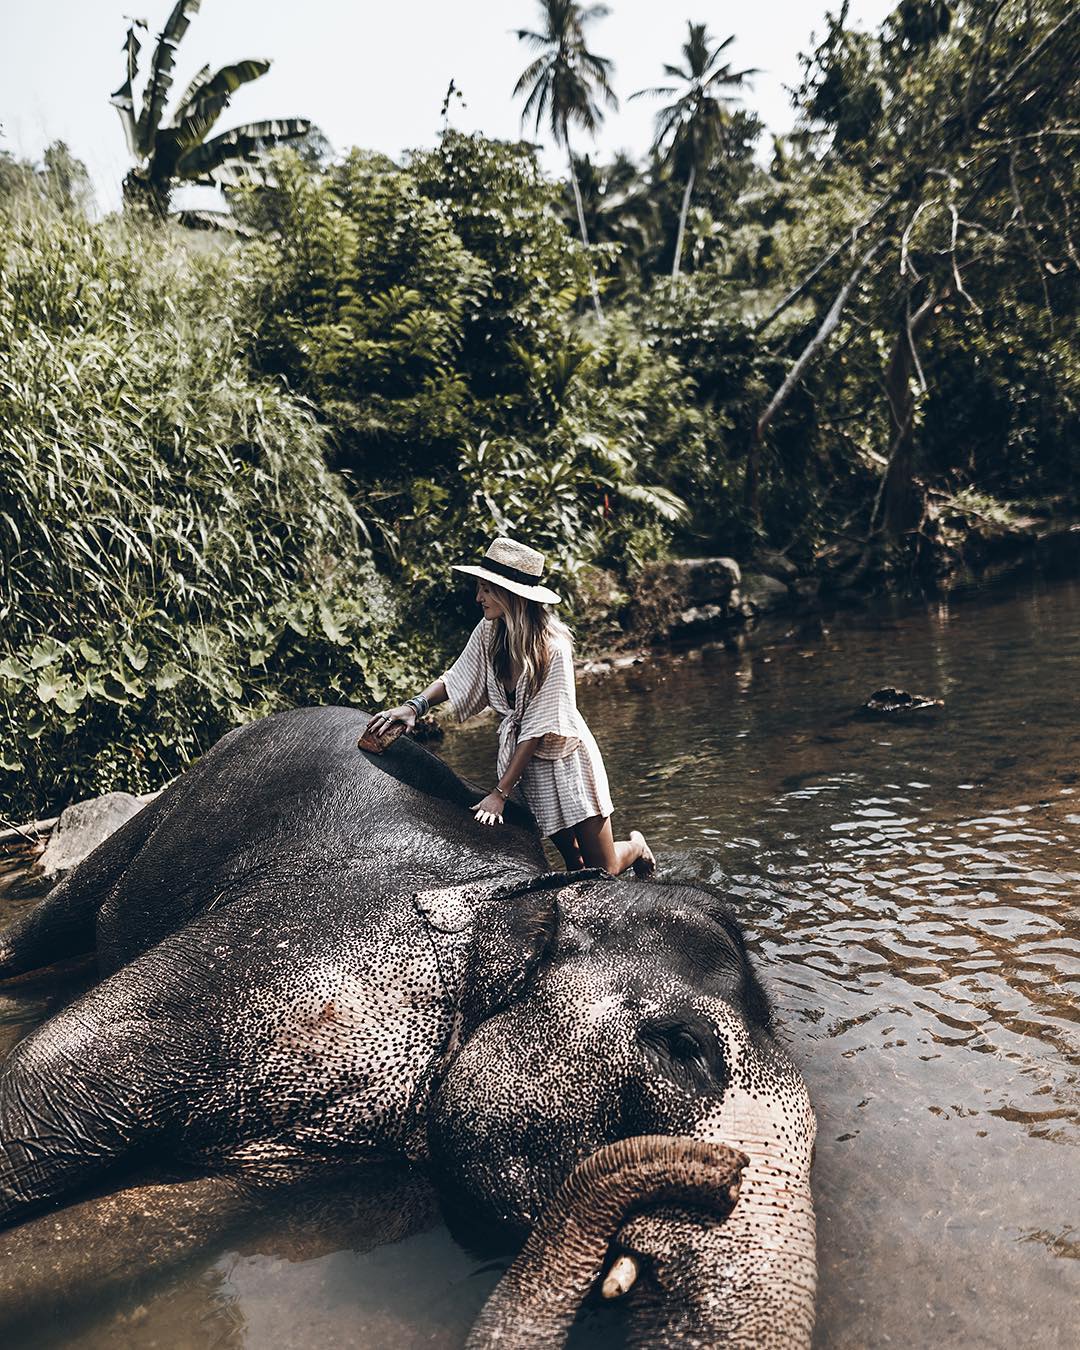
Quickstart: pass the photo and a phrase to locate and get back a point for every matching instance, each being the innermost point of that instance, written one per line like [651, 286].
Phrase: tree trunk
[584, 232]
[901, 503]
[682, 223]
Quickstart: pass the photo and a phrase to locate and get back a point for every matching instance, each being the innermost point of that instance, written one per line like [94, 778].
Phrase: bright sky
[371, 74]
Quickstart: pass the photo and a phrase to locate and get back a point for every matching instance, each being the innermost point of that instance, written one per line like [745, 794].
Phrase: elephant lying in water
[314, 956]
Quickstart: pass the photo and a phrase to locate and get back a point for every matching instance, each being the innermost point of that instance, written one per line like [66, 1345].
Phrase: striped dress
[565, 781]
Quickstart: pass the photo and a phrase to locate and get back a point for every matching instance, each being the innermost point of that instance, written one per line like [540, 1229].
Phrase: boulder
[891, 702]
[84, 825]
[776, 564]
[807, 588]
[759, 593]
[683, 593]
[699, 618]
[704, 581]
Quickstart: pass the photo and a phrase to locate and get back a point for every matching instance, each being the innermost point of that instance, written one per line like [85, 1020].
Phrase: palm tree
[179, 152]
[691, 130]
[619, 208]
[563, 82]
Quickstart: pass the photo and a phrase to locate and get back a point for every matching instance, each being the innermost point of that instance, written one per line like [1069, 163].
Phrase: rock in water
[884, 702]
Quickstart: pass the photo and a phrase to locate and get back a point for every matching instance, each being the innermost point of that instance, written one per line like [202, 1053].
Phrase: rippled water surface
[912, 893]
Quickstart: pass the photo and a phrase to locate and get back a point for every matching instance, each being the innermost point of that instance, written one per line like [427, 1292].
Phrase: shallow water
[912, 892]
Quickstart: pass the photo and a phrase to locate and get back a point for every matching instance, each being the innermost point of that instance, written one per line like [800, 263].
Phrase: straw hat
[516, 567]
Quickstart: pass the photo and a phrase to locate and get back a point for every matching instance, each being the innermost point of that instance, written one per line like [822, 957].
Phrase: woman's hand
[489, 811]
[383, 720]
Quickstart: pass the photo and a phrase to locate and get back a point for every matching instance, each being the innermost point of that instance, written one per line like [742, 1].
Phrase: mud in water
[912, 892]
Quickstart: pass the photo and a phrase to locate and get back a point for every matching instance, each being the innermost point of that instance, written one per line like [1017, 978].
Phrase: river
[911, 890]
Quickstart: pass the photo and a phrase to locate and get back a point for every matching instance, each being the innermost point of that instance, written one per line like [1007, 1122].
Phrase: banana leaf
[242, 143]
[193, 122]
[124, 99]
[160, 81]
[201, 79]
[205, 88]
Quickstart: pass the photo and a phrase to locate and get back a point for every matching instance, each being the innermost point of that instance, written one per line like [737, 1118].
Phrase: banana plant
[178, 152]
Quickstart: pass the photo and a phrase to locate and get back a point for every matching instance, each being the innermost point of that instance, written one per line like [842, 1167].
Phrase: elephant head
[636, 1022]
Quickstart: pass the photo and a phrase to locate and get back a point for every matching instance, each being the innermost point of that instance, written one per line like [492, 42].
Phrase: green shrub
[175, 557]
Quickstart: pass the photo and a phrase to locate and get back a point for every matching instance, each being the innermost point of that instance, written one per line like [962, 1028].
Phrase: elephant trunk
[537, 1299]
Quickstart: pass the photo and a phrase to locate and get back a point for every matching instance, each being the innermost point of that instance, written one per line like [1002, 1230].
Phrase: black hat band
[510, 573]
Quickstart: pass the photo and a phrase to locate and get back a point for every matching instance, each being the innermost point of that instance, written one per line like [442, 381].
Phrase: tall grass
[174, 555]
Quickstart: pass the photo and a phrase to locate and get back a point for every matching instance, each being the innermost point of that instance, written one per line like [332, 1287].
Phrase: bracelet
[418, 703]
[497, 790]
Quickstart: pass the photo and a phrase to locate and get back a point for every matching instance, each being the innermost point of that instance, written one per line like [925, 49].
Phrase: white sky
[370, 73]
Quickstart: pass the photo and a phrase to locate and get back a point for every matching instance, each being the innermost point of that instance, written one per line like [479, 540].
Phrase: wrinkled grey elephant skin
[313, 958]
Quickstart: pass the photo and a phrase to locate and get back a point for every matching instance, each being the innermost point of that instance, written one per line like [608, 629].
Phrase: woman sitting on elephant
[519, 661]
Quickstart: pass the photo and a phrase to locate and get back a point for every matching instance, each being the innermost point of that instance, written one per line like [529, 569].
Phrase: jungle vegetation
[235, 468]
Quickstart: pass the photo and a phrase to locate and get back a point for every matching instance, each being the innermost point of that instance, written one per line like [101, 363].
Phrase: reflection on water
[912, 891]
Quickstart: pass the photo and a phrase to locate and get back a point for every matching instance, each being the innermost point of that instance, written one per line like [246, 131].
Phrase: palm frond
[201, 79]
[661, 500]
[209, 89]
[658, 91]
[531, 72]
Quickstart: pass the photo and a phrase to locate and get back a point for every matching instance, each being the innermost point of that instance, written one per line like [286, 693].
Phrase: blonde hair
[522, 637]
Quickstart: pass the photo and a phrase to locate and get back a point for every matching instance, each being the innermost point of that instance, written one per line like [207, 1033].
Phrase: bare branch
[848, 242]
[905, 264]
[1039, 260]
[825, 330]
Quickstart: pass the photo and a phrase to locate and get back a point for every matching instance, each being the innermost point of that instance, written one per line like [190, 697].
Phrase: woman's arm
[434, 693]
[489, 811]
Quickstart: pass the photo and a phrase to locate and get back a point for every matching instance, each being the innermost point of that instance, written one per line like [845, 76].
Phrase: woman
[519, 661]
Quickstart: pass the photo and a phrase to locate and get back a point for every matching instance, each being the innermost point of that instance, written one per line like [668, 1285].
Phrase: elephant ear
[514, 937]
[447, 909]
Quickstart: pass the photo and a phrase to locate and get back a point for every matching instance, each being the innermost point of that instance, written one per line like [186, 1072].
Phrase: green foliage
[182, 150]
[232, 477]
[60, 180]
[174, 556]
[427, 312]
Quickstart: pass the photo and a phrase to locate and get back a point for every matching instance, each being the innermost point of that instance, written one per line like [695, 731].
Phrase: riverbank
[689, 601]
[687, 606]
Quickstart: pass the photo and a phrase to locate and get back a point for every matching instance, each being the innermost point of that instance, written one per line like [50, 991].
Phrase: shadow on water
[912, 892]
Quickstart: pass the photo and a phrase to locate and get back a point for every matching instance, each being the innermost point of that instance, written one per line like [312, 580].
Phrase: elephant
[314, 958]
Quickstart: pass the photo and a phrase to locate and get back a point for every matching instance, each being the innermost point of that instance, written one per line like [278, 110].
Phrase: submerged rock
[884, 702]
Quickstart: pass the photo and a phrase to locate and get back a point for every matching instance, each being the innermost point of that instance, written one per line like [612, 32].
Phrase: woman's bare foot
[645, 863]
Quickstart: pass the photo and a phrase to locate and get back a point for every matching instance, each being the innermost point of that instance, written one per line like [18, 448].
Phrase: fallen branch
[824, 332]
[15, 832]
[848, 241]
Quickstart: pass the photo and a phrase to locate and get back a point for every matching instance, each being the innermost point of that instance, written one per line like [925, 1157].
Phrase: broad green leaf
[159, 81]
[168, 677]
[137, 654]
[89, 652]
[241, 144]
[11, 668]
[70, 699]
[330, 626]
[45, 653]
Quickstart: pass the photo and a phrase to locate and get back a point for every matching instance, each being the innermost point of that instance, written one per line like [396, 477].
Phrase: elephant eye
[686, 1050]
